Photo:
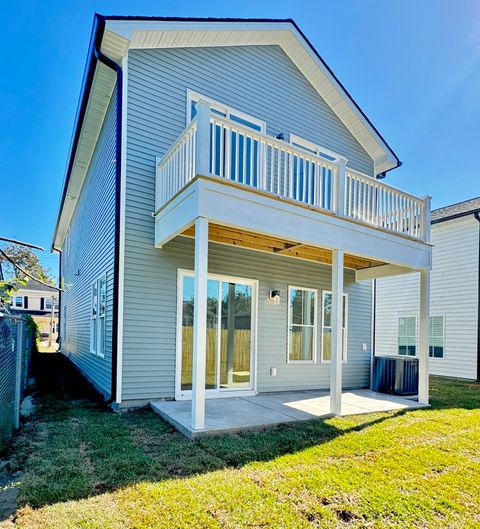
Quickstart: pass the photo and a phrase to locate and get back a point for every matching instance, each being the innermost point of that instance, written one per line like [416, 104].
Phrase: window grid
[304, 339]
[327, 327]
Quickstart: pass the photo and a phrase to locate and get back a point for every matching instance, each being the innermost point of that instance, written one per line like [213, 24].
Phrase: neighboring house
[41, 302]
[222, 161]
[454, 340]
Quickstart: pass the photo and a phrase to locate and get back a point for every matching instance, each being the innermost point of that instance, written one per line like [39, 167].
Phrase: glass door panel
[229, 335]
[187, 333]
[236, 335]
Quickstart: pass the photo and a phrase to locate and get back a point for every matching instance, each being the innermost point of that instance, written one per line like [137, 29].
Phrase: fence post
[339, 187]
[18, 373]
[202, 154]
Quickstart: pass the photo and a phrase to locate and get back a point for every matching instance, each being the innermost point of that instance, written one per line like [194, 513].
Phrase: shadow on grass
[74, 447]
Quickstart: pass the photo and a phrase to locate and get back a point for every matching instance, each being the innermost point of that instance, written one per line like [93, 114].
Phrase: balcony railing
[212, 145]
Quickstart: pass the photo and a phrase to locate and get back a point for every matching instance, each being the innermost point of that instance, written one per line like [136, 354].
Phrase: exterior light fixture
[275, 296]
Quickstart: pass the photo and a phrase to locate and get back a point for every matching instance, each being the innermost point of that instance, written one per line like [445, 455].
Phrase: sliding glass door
[230, 317]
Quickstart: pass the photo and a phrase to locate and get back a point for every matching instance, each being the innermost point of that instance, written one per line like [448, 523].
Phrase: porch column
[423, 338]
[200, 323]
[336, 338]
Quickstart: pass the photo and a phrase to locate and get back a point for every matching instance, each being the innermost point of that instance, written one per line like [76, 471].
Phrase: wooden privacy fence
[17, 342]
[241, 360]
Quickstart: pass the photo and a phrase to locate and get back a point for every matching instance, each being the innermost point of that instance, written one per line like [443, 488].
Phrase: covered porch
[316, 211]
[234, 414]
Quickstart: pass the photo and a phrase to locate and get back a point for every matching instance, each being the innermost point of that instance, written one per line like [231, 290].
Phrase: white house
[454, 342]
[223, 214]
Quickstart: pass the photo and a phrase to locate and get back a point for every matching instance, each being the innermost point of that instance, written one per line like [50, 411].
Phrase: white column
[202, 142]
[423, 338]
[337, 321]
[200, 323]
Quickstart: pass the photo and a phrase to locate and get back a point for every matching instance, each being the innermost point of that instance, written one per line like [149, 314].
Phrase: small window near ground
[407, 335]
[327, 327]
[436, 336]
[302, 318]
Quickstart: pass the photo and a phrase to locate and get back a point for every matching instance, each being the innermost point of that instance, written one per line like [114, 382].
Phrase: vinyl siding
[454, 294]
[263, 82]
[91, 243]
[150, 342]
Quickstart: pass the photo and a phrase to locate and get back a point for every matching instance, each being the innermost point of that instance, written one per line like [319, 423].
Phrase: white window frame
[310, 146]
[193, 96]
[315, 325]
[51, 304]
[218, 392]
[98, 338]
[344, 328]
[443, 336]
[21, 306]
[93, 318]
[407, 315]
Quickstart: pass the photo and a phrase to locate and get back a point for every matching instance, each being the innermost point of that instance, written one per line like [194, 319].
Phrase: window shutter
[25, 302]
[42, 303]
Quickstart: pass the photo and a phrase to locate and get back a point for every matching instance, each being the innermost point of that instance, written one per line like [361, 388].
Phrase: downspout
[118, 175]
[477, 216]
[59, 336]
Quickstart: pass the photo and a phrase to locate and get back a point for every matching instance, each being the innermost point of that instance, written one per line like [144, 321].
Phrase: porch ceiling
[254, 241]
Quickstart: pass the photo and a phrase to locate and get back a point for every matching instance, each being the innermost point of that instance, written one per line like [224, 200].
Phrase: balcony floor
[230, 415]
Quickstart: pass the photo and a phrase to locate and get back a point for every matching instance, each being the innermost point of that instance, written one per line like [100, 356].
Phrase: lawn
[86, 467]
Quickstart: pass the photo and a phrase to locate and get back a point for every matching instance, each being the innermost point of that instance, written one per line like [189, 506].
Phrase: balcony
[246, 173]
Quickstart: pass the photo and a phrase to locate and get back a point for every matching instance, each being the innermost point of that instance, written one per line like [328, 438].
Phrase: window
[48, 303]
[302, 309]
[97, 316]
[305, 181]
[236, 155]
[407, 335]
[93, 322]
[436, 336]
[327, 327]
[19, 302]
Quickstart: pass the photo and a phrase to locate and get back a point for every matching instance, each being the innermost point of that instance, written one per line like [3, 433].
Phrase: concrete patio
[229, 415]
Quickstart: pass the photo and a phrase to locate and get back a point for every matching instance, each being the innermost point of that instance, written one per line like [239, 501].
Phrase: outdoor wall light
[275, 296]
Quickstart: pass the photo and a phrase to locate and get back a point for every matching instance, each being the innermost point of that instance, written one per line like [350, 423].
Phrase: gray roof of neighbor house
[461, 209]
[35, 285]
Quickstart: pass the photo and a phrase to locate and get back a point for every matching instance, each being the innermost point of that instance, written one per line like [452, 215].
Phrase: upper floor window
[48, 303]
[302, 327]
[19, 302]
[236, 154]
[327, 326]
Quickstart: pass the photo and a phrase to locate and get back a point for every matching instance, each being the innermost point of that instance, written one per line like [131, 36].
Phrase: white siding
[454, 294]
[87, 253]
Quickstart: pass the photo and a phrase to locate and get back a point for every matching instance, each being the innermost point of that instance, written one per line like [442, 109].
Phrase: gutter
[94, 56]
[477, 216]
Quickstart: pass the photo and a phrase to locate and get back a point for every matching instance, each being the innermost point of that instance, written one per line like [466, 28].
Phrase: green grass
[85, 467]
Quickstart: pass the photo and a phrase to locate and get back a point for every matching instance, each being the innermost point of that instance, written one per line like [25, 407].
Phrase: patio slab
[229, 415]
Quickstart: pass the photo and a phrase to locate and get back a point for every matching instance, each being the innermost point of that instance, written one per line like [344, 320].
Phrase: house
[223, 214]
[454, 342]
[41, 302]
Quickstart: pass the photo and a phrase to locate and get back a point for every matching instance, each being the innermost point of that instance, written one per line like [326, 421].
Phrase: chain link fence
[17, 344]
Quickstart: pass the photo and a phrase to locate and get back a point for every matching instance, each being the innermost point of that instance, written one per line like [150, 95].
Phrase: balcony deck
[262, 193]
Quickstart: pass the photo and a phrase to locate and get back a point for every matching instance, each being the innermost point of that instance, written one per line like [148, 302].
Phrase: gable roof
[113, 36]
[454, 211]
[35, 285]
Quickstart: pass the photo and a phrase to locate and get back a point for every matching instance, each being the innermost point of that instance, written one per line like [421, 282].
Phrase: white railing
[374, 202]
[177, 167]
[213, 145]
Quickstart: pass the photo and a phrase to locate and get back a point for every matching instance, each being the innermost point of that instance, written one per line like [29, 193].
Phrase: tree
[25, 259]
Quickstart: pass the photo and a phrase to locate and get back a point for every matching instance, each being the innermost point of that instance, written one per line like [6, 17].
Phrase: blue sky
[413, 67]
